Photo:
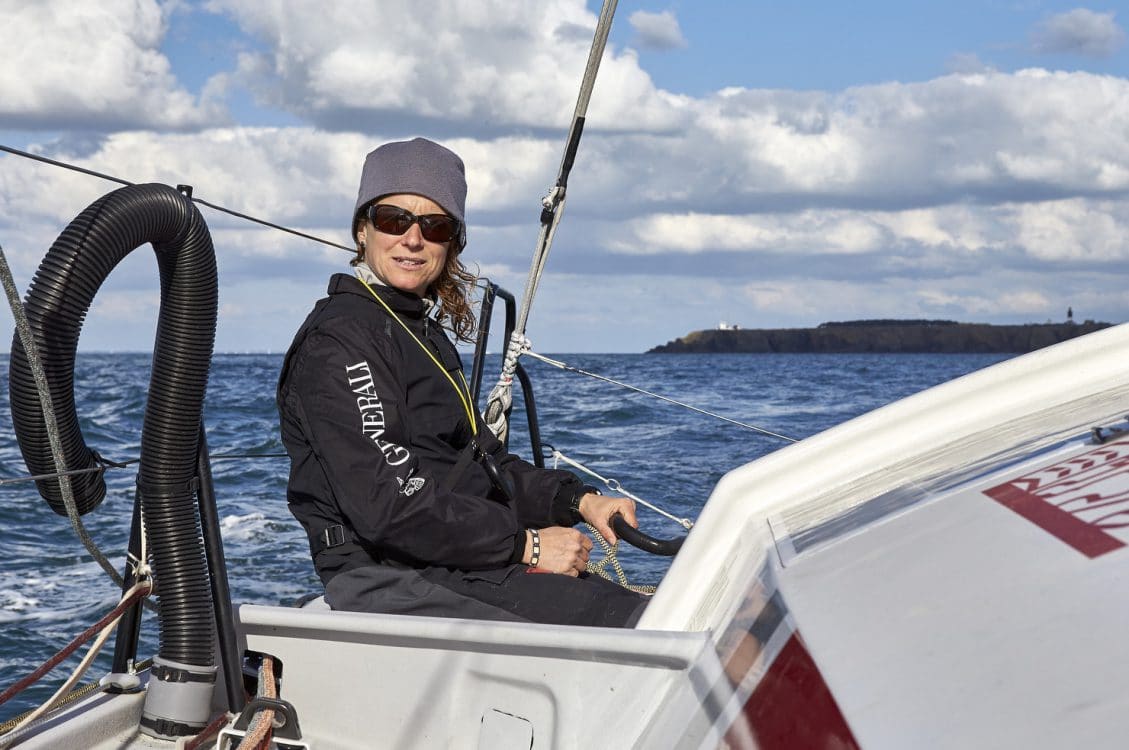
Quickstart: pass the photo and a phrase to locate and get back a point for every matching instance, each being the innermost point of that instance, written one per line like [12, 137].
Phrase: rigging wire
[108, 465]
[512, 349]
[552, 207]
[683, 404]
[201, 201]
[614, 485]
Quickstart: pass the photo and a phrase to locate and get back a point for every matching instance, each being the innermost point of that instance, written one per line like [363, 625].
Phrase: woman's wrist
[532, 556]
[534, 548]
[577, 500]
[520, 552]
[574, 506]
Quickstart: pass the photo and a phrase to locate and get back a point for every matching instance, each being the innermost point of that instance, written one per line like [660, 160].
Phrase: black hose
[645, 542]
[57, 302]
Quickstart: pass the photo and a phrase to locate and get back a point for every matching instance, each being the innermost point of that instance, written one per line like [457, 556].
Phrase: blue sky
[770, 164]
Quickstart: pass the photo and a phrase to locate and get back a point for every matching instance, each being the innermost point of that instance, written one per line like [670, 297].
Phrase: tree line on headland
[882, 336]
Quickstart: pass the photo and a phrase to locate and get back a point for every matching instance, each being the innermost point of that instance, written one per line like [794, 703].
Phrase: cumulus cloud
[490, 66]
[658, 31]
[77, 65]
[980, 139]
[967, 164]
[1079, 32]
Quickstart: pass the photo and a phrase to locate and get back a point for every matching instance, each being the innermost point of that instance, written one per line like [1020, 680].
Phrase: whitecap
[243, 527]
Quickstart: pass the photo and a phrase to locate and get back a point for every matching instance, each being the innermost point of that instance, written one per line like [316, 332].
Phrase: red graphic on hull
[1083, 501]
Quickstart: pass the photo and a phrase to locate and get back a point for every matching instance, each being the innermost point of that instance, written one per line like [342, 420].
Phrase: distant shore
[882, 336]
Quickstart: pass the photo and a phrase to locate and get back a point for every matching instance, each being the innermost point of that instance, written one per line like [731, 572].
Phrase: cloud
[658, 31]
[1078, 32]
[906, 178]
[490, 66]
[982, 191]
[985, 140]
[967, 63]
[92, 66]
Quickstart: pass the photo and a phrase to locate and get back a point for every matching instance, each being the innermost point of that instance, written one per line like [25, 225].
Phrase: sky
[764, 164]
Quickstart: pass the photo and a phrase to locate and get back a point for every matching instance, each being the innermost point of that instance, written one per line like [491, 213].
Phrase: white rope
[616, 487]
[501, 397]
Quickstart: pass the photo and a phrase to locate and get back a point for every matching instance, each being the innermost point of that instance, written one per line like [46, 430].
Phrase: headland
[882, 336]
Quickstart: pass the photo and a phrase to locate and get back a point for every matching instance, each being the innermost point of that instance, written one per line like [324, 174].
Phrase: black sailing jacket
[375, 434]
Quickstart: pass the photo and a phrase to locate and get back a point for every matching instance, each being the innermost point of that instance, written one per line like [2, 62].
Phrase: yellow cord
[464, 399]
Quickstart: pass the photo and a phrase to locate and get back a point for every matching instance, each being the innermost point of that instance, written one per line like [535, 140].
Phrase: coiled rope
[600, 567]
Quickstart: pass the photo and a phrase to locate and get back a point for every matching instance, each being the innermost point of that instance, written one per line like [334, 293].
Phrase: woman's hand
[563, 550]
[599, 509]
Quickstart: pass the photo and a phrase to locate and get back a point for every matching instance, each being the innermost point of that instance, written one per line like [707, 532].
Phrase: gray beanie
[419, 167]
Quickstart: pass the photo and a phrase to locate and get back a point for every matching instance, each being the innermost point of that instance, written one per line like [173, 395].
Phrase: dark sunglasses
[395, 220]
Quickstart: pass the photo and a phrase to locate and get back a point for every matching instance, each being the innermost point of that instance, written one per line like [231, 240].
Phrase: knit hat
[419, 167]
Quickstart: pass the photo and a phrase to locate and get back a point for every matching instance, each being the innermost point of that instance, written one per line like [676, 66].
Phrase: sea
[663, 453]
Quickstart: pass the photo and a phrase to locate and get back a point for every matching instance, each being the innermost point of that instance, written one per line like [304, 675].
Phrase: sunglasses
[395, 220]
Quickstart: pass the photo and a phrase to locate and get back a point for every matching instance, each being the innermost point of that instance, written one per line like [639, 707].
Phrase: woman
[410, 504]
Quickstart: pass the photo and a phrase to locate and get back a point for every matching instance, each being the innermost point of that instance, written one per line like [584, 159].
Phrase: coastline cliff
[882, 336]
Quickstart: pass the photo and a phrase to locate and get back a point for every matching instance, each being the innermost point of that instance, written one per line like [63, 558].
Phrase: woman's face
[406, 261]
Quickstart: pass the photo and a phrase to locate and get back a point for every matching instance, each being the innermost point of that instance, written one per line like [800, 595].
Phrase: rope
[82, 692]
[23, 328]
[103, 628]
[501, 397]
[32, 718]
[610, 558]
[577, 370]
[552, 208]
[206, 733]
[616, 487]
[259, 733]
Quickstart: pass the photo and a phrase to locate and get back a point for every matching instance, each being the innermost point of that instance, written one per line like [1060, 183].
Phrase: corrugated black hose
[57, 302]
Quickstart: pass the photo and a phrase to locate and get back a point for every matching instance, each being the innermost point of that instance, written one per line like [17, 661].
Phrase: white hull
[902, 580]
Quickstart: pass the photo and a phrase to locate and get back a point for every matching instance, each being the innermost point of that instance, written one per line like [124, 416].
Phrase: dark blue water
[50, 590]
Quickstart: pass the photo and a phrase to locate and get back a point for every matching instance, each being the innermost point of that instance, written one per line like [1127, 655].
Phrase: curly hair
[453, 289]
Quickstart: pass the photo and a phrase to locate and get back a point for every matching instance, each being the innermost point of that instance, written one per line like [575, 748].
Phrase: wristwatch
[574, 506]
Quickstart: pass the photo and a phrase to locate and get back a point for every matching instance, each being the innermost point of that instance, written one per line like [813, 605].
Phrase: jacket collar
[402, 303]
[364, 272]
